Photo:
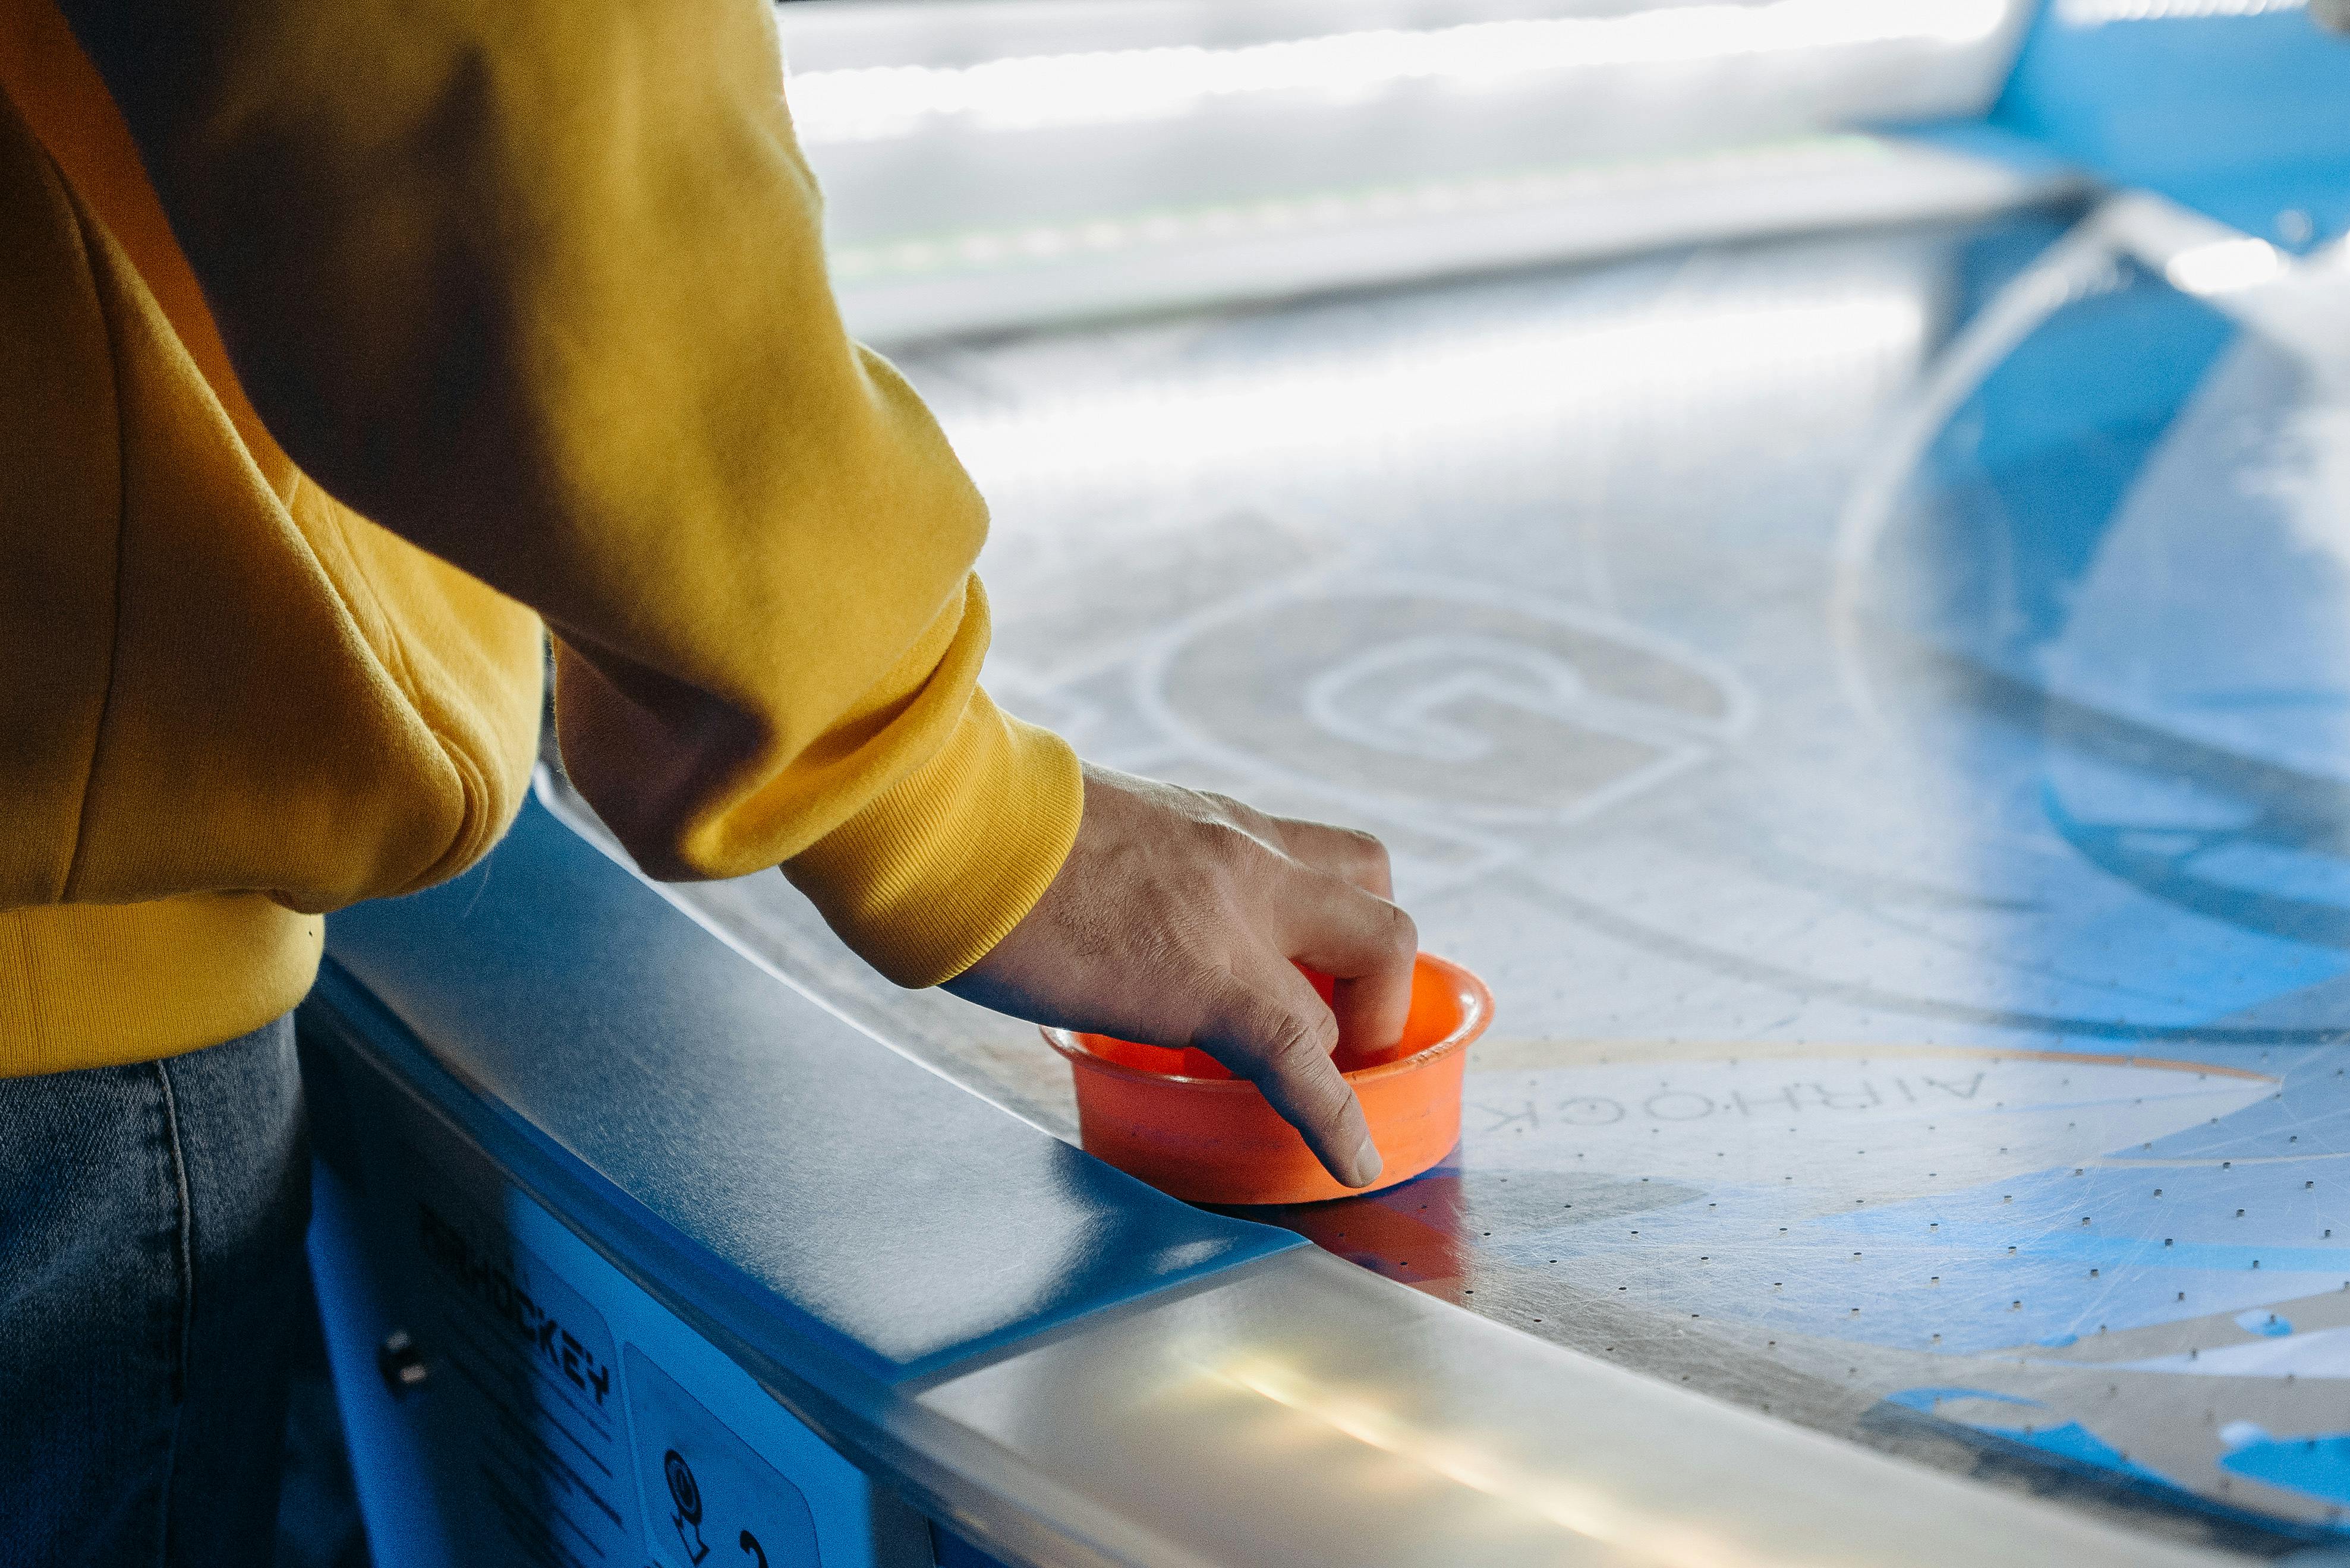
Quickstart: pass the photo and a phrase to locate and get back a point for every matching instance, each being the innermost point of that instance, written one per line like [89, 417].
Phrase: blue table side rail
[567, 1016]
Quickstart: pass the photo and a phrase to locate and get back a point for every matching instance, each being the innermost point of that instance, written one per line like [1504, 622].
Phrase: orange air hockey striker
[1181, 1123]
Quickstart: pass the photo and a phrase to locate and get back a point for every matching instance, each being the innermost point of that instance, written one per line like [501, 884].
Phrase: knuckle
[1369, 852]
[1402, 932]
[1297, 1043]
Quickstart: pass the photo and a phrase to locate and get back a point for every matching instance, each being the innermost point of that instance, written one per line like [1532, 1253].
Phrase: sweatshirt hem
[95, 985]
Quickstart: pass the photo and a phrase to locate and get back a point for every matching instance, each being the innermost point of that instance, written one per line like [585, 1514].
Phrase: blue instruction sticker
[710, 1499]
[525, 1399]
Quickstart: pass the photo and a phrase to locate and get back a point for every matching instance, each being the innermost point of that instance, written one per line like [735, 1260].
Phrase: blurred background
[993, 163]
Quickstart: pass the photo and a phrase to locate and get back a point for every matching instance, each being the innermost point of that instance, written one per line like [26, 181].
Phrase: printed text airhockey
[492, 1281]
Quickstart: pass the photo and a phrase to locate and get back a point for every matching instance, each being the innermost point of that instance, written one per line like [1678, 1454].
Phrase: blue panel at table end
[2236, 115]
[841, 1190]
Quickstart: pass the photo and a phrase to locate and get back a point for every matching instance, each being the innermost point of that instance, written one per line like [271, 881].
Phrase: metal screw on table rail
[401, 1362]
[2333, 16]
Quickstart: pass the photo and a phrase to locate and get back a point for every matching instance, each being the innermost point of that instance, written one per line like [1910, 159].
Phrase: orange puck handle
[1215, 1140]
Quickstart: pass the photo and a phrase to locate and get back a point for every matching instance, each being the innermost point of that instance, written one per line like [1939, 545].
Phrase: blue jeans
[151, 1271]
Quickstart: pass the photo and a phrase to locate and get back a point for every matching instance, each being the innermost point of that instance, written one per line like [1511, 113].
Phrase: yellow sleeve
[540, 287]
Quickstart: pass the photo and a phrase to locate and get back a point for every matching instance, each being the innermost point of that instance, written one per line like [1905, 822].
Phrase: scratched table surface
[1915, 874]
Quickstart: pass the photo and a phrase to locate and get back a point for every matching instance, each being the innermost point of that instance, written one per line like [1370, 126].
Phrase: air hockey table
[1875, 706]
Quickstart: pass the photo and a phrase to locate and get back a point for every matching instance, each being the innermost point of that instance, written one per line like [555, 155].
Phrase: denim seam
[184, 1256]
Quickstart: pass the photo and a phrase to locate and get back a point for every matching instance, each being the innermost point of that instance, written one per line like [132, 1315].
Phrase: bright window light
[1107, 86]
[2225, 266]
[1493, 383]
[2098, 12]
[1046, 243]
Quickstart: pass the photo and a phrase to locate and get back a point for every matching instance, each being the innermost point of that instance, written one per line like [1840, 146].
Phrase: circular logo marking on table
[1449, 697]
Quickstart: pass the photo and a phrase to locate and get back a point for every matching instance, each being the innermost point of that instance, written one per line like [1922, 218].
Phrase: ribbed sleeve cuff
[927, 878]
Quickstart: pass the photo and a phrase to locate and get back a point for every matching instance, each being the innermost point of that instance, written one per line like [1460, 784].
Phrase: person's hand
[1175, 922]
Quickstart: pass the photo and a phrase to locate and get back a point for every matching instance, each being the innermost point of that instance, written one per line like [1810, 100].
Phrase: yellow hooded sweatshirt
[537, 288]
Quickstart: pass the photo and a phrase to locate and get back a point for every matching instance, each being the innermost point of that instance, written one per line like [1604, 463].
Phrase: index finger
[1272, 1029]
[1366, 944]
